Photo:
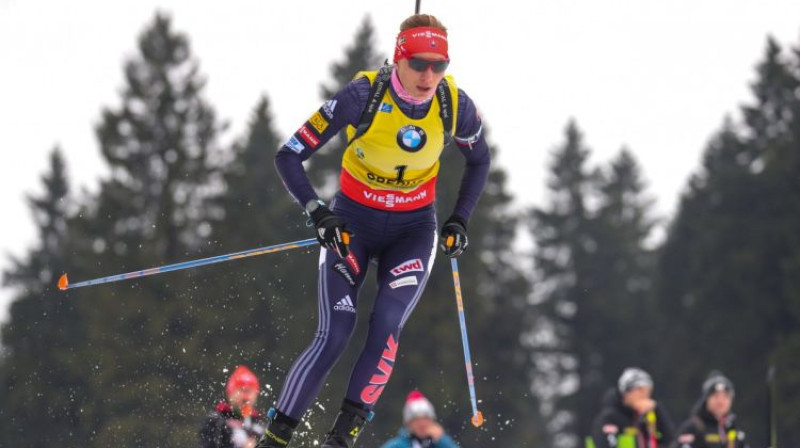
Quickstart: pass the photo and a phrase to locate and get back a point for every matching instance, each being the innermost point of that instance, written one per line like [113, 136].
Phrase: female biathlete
[398, 121]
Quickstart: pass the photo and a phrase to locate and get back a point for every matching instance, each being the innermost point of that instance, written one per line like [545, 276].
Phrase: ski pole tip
[477, 419]
[63, 282]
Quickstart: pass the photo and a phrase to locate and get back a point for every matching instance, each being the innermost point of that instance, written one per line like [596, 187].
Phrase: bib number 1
[401, 172]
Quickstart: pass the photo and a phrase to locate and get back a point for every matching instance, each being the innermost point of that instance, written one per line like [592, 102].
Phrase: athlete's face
[421, 85]
[719, 403]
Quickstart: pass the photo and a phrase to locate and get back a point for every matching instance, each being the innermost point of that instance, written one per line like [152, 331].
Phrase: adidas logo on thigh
[345, 304]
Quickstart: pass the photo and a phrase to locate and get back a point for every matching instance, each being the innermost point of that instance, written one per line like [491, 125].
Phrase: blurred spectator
[630, 418]
[420, 428]
[235, 423]
[711, 423]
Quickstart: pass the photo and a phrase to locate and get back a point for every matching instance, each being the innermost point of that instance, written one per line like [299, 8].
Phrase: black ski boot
[347, 427]
[278, 432]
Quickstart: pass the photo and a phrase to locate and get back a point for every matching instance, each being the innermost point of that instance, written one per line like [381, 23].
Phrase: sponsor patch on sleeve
[295, 145]
[610, 429]
[403, 281]
[308, 136]
[319, 123]
[328, 108]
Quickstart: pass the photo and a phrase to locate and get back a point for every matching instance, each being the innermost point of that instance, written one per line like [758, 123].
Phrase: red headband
[422, 39]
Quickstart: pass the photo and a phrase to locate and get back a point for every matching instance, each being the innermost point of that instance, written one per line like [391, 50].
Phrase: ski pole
[477, 416]
[416, 8]
[772, 433]
[63, 282]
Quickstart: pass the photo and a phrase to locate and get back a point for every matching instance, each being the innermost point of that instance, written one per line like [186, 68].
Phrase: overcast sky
[655, 76]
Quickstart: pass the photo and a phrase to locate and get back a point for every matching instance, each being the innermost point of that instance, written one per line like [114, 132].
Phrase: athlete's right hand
[331, 230]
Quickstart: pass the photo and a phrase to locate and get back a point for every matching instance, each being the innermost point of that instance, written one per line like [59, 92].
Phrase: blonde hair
[418, 20]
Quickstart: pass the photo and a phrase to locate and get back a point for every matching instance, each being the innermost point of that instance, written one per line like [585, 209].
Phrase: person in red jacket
[235, 423]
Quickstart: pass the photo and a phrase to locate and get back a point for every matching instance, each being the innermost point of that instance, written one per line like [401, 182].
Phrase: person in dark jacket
[420, 428]
[235, 423]
[630, 417]
[711, 423]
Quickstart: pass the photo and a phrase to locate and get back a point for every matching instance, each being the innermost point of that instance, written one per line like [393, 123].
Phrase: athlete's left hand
[453, 241]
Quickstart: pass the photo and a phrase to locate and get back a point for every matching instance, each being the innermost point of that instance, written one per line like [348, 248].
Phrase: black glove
[331, 230]
[454, 240]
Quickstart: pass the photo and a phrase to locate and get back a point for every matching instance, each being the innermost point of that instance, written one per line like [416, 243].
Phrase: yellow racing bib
[394, 164]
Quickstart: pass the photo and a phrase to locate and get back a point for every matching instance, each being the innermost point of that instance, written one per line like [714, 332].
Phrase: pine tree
[729, 264]
[254, 200]
[158, 145]
[563, 238]
[613, 324]
[40, 370]
[775, 130]
[593, 285]
[50, 213]
[142, 357]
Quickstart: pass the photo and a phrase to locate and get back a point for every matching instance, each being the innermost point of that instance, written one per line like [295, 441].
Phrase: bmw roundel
[411, 138]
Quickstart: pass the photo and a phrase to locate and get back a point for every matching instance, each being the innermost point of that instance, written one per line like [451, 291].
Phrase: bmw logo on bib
[411, 138]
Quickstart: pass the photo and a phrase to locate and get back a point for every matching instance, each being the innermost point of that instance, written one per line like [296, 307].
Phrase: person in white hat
[630, 413]
[420, 428]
